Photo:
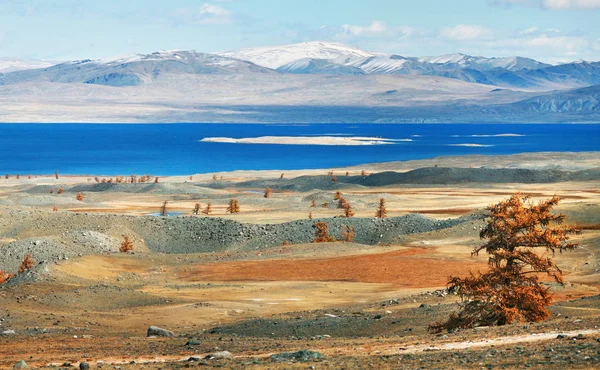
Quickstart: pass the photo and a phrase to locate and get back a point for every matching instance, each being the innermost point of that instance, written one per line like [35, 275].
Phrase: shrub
[4, 277]
[126, 245]
[312, 204]
[510, 290]
[196, 210]
[79, 197]
[310, 216]
[321, 234]
[26, 264]
[337, 195]
[60, 190]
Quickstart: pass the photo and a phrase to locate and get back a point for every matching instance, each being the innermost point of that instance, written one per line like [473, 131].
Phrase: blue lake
[175, 149]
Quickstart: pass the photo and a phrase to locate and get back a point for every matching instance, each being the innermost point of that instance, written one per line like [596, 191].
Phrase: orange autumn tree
[26, 264]
[208, 209]
[321, 234]
[348, 233]
[234, 206]
[267, 192]
[381, 211]
[510, 291]
[126, 245]
[4, 277]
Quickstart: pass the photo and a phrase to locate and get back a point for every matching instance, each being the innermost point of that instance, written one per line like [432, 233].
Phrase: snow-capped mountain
[276, 56]
[485, 64]
[135, 69]
[11, 65]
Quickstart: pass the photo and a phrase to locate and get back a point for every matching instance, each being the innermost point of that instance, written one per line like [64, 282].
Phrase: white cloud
[464, 32]
[552, 4]
[375, 28]
[206, 14]
[214, 10]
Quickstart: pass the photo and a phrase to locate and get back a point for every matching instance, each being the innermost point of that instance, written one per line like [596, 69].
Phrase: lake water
[175, 149]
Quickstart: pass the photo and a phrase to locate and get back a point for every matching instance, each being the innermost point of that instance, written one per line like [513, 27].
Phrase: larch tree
[510, 291]
[207, 211]
[79, 197]
[348, 233]
[312, 204]
[381, 211]
[234, 206]
[337, 195]
[267, 192]
[348, 212]
[321, 234]
[196, 210]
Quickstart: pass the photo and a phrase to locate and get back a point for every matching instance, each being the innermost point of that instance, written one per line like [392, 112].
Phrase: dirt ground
[360, 306]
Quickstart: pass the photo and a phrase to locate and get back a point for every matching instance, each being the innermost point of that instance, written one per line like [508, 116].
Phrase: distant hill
[308, 82]
[133, 70]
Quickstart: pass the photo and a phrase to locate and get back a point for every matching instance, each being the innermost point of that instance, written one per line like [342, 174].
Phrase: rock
[66, 364]
[302, 356]
[222, 355]
[423, 305]
[194, 359]
[155, 331]
[20, 365]
[561, 336]
[84, 366]
[192, 342]
[8, 332]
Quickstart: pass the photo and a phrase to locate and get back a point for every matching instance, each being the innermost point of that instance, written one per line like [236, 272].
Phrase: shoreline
[527, 160]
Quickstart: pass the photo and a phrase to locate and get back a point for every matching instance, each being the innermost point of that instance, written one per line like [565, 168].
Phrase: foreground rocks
[155, 331]
[300, 356]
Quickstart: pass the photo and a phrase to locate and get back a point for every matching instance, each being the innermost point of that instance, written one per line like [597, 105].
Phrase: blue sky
[548, 30]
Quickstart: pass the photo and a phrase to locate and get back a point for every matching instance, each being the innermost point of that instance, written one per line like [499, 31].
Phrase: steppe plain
[254, 285]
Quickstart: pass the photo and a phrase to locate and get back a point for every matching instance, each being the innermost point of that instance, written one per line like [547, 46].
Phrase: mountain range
[308, 82]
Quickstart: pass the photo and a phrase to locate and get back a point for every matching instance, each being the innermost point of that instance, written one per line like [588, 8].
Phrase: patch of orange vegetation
[405, 268]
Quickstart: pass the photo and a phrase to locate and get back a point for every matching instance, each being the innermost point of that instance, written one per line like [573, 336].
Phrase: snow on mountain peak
[277, 56]
[11, 65]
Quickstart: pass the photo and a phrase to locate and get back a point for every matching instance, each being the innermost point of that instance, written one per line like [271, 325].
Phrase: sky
[552, 31]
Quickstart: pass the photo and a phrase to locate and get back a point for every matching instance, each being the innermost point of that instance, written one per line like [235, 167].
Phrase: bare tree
[163, 209]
